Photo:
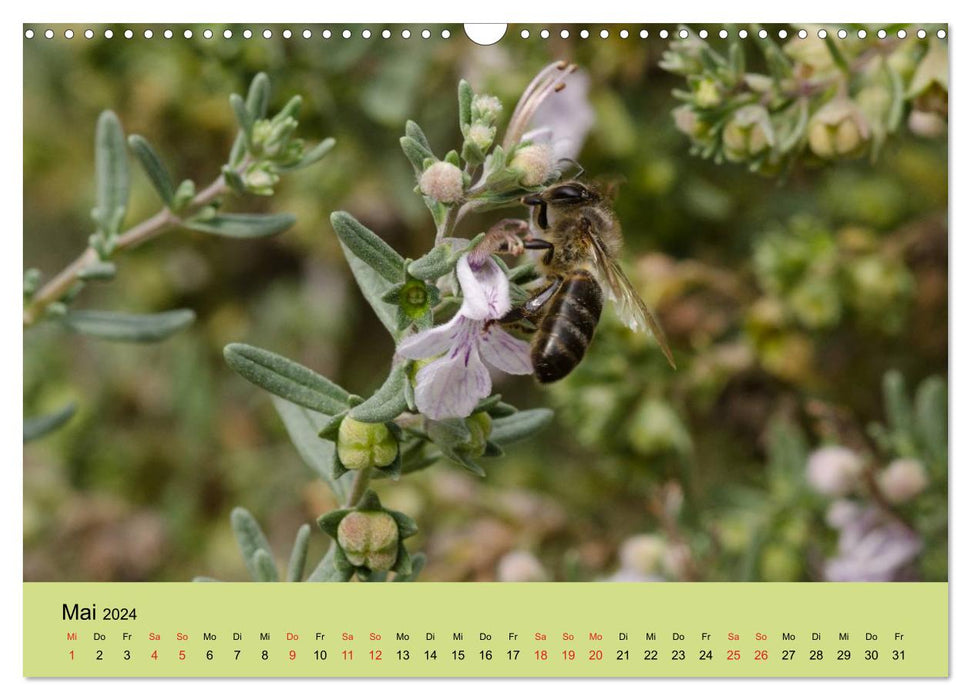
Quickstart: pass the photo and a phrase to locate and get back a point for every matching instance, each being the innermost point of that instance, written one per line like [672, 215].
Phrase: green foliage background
[140, 484]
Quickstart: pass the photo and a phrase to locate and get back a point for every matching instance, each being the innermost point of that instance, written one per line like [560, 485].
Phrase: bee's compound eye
[567, 193]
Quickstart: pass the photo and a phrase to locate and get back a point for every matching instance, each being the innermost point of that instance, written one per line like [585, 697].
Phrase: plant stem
[141, 232]
[361, 481]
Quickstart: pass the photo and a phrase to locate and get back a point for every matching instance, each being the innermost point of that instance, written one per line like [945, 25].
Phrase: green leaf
[519, 426]
[128, 328]
[111, 172]
[837, 55]
[302, 426]
[328, 571]
[310, 156]
[298, 556]
[433, 264]
[465, 104]
[413, 131]
[243, 118]
[100, 270]
[242, 225]
[417, 564]
[258, 97]
[373, 286]
[250, 538]
[930, 408]
[897, 404]
[152, 165]
[264, 567]
[388, 402]
[285, 378]
[787, 451]
[42, 425]
[368, 246]
[415, 152]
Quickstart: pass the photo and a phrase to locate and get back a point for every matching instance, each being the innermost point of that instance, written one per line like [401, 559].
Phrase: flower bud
[929, 85]
[833, 470]
[748, 133]
[642, 553]
[687, 122]
[480, 427]
[707, 94]
[481, 136]
[838, 129]
[520, 567]
[363, 445]
[260, 179]
[534, 163]
[902, 480]
[369, 539]
[928, 125]
[485, 109]
[442, 182]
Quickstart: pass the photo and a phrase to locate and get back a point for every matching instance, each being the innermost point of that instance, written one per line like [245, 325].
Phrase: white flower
[902, 480]
[872, 547]
[833, 470]
[451, 385]
[442, 182]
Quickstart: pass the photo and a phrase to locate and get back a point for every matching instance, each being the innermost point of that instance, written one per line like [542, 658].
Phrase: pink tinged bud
[520, 567]
[534, 163]
[902, 480]
[642, 553]
[369, 539]
[442, 182]
[834, 470]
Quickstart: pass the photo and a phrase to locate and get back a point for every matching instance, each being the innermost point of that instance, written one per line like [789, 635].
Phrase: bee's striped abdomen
[567, 326]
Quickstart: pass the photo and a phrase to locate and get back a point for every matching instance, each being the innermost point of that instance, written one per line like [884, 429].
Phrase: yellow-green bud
[748, 133]
[370, 539]
[442, 181]
[363, 445]
[534, 164]
[707, 94]
[838, 130]
[480, 427]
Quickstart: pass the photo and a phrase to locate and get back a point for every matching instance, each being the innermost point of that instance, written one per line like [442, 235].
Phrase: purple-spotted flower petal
[451, 385]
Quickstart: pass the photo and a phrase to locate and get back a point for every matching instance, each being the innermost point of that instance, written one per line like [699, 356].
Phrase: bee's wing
[630, 307]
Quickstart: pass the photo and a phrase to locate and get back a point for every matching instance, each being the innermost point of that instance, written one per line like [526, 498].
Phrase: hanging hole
[485, 34]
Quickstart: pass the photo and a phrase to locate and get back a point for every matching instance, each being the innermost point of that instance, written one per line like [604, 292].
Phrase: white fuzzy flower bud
[642, 553]
[833, 470]
[902, 480]
[520, 566]
[481, 135]
[534, 163]
[486, 109]
[442, 182]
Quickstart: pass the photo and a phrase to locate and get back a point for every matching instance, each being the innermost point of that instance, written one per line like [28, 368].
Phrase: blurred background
[786, 300]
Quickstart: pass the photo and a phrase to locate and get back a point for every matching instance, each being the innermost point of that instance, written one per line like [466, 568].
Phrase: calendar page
[623, 346]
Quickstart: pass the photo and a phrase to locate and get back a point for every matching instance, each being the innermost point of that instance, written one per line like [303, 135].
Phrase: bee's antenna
[571, 161]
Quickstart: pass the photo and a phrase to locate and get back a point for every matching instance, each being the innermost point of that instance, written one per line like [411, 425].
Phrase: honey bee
[581, 238]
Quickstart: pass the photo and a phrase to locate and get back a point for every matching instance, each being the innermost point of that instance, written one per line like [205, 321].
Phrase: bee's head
[560, 198]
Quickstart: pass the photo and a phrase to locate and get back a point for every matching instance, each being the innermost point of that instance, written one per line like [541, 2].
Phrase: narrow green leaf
[433, 264]
[373, 286]
[111, 172]
[930, 408]
[465, 104]
[836, 54]
[152, 165]
[388, 402]
[264, 568]
[327, 570]
[415, 153]
[285, 378]
[310, 156]
[243, 118]
[243, 225]
[128, 328]
[302, 426]
[897, 404]
[100, 270]
[520, 425]
[258, 97]
[417, 564]
[413, 131]
[249, 537]
[368, 246]
[42, 425]
[298, 556]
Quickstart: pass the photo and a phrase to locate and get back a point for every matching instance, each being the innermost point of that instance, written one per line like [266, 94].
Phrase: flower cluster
[818, 97]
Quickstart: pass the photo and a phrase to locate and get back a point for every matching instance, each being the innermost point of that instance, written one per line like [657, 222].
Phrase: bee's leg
[539, 244]
[504, 236]
[529, 310]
